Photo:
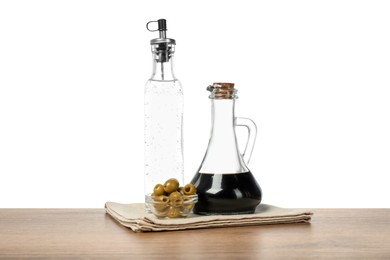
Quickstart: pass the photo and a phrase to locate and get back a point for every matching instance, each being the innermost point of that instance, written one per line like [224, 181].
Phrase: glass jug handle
[252, 132]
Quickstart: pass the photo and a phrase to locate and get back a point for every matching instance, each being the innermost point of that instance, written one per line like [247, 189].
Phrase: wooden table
[90, 233]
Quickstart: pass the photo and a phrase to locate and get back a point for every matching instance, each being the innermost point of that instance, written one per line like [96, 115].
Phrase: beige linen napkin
[133, 216]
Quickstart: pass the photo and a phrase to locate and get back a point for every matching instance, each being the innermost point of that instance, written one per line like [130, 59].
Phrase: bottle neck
[223, 155]
[222, 116]
[162, 70]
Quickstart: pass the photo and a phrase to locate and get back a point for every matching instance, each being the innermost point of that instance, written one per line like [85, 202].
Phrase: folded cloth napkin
[134, 216]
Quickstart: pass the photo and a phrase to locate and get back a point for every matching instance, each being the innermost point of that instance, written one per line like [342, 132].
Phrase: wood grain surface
[90, 233]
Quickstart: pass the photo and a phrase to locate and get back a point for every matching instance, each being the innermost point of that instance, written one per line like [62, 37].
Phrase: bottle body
[163, 146]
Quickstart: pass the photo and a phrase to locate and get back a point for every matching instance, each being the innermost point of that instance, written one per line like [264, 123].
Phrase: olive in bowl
[177, 207]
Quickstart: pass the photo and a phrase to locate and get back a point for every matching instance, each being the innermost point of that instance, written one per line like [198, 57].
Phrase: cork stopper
[222, 90]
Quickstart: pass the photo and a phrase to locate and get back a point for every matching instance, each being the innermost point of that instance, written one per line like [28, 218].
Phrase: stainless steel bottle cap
[162, 29]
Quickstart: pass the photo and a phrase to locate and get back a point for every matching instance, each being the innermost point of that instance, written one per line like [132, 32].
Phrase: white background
[313, 75]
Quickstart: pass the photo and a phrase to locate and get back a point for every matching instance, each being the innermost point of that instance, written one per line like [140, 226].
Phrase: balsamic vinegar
[226, 194]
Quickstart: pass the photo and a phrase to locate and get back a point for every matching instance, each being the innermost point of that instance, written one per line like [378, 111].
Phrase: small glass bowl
[162, 207]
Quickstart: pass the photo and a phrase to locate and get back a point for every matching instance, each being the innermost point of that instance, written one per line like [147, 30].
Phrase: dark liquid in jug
[226, 193]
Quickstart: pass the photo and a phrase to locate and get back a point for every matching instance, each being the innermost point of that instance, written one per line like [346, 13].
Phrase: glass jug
[224, 183]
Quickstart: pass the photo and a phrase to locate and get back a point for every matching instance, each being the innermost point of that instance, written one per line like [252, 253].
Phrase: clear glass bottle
[163, 147]
[225, 185]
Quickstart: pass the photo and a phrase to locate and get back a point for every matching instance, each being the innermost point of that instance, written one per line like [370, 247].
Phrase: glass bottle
[225, 185]
[163, 146]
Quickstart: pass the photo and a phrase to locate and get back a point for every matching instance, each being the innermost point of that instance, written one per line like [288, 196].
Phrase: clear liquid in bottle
[163, 121]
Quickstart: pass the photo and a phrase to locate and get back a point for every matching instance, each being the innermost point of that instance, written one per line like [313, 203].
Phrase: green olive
[158, 190]
[171, 185]
[161, 199]
[174, 212]
[160, 202]
[189, 189]
[176, 199]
